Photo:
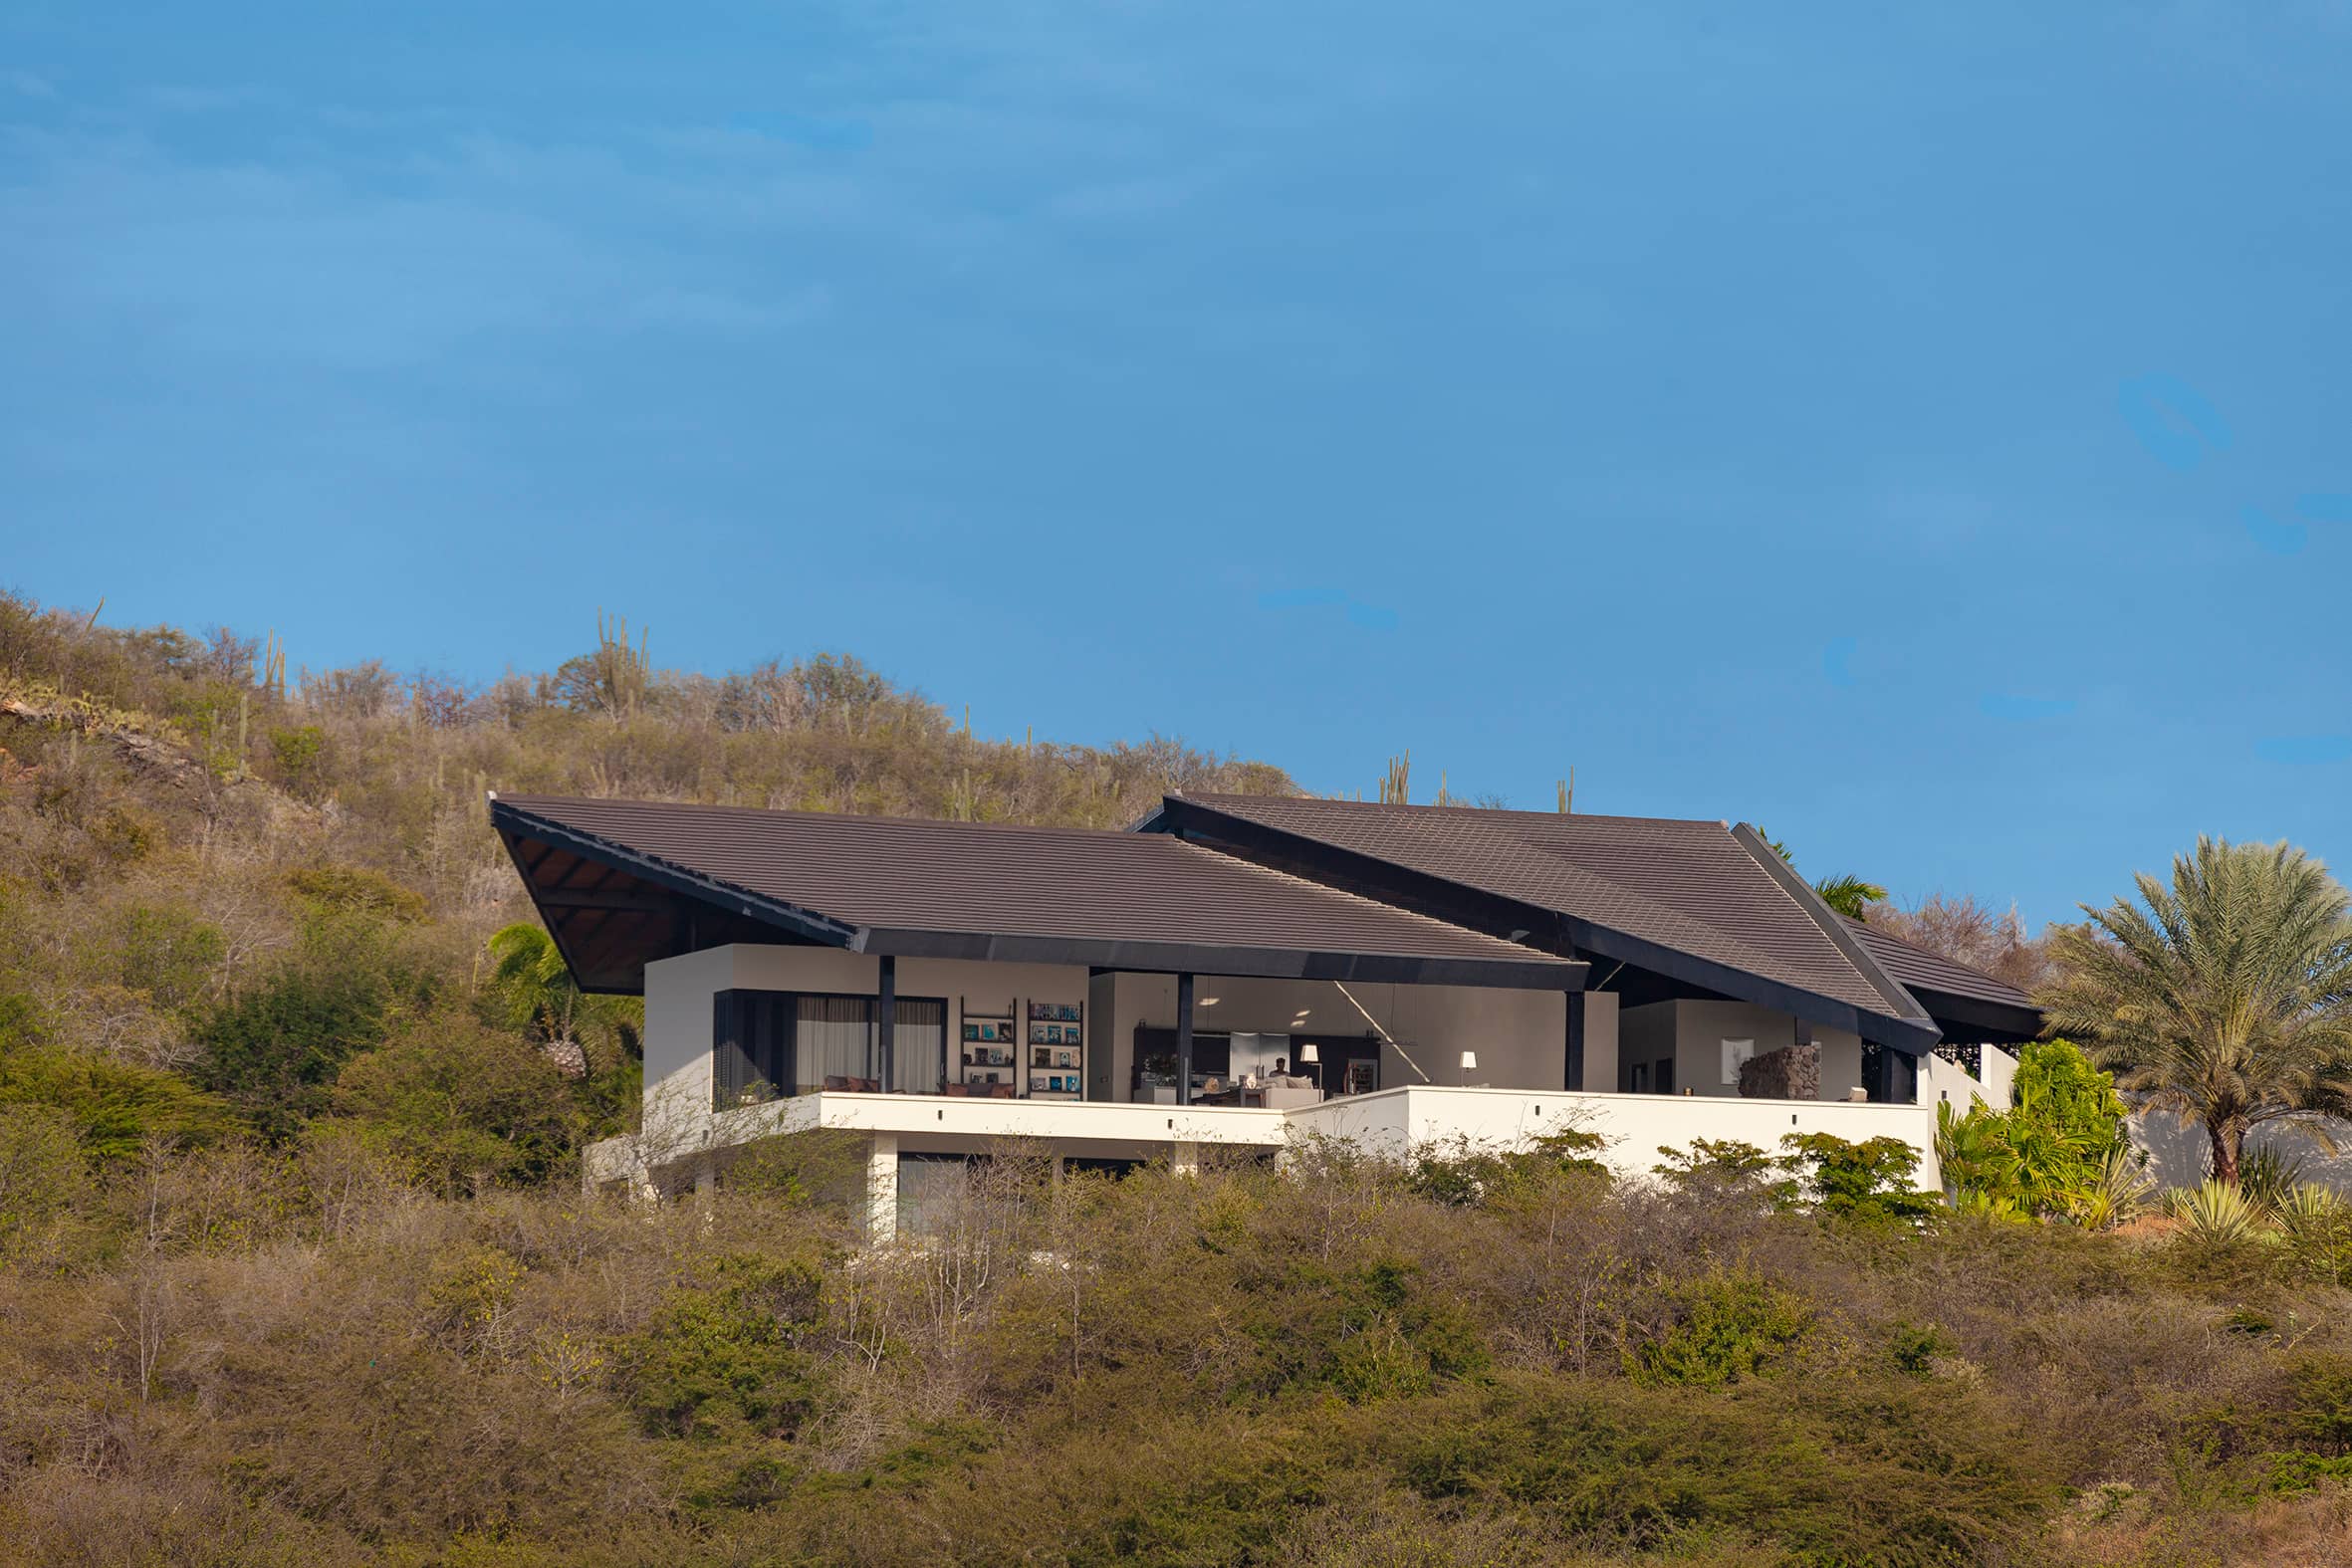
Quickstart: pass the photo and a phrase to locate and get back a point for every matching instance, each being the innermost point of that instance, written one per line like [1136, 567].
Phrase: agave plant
[2318, 1228]
[2121, 1186]
[2268, 1174]
[2217, 1214]
[1977, 1204]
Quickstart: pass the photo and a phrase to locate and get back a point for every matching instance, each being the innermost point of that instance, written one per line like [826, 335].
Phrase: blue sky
[1922, 435]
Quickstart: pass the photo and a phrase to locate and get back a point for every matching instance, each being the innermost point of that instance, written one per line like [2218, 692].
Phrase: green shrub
[274, 1050]
[1869, 1181]
[115, 1108]
[730, 1349]
[2218, 1214]
[356, 890]
[2293, 1474]
[2320, 1415]
[1722, 1327]
[1717, 1167]
[41, 1170]
[2317, 1225]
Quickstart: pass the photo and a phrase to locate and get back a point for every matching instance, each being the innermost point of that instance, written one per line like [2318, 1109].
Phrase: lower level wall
[1634, 1128]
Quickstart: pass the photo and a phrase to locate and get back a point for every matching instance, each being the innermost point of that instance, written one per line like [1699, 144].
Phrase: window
[771, 1044]
[1736, 1054]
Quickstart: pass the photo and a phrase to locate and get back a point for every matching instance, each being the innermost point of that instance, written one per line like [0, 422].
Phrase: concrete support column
[1574, 1077]
[644, 1189]
[881, 1186]
[706, 1179]
[1185, 1159]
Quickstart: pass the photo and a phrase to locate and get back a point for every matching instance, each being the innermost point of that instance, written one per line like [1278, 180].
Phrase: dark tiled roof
[908, 875]
[1916, 966]
[1686, 885]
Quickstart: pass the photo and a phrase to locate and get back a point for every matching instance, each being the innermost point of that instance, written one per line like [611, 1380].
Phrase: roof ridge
[1208, 797]
[1665, 911]
[1810, 904]
[771, 812]
[1884, 935]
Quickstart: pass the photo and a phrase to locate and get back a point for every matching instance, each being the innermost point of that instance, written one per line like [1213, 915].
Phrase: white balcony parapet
[1396, 1121]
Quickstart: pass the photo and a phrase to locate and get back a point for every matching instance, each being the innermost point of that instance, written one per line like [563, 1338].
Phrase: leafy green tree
[734, 1352]
[274, 1050]
[2224, 997]
[1870, 1181]
[465, 1106]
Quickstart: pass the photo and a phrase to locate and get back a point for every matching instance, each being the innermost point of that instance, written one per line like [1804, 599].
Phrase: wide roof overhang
[612, 906]
[1463, 901]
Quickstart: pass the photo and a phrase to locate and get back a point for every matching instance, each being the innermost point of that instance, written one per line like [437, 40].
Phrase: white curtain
[833, 1039]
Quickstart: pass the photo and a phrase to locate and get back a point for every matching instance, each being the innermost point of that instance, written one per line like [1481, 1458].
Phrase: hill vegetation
[295, 1269]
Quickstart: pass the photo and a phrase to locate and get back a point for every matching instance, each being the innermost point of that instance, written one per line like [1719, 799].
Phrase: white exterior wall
[1841, 1062]
[678, 1018]
[1941, 1082]
[1634, 1127]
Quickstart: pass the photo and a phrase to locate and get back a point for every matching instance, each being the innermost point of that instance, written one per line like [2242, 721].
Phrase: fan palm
[2224, 998]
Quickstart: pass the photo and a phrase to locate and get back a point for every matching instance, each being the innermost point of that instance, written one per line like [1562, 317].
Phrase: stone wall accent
[1791, 1073]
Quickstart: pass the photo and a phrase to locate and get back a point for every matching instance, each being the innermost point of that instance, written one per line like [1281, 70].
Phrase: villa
[1234, 971]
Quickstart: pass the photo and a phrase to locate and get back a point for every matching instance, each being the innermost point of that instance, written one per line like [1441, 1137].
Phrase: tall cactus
[1396, 786]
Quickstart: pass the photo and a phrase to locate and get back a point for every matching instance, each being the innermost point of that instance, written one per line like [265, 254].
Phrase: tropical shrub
[2054, 1153]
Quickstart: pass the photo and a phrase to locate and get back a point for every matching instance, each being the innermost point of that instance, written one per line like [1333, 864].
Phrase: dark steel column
[886, 1023]
[1892, 1077]
[1184, 1040]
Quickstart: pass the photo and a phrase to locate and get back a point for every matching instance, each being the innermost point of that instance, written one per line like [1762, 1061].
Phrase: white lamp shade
[1309, 1054]
[1470, 1062]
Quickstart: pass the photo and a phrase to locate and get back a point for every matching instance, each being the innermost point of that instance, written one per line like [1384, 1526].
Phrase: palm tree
[540, 994]
[1850, 895]
[2224, 998]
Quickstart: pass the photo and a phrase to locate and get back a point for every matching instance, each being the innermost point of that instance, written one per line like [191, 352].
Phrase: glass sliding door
[833, 1044]
[918, 1045]
[836, 1045]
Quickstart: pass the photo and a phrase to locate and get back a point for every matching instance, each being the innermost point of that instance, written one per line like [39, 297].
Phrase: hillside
[294, 1269]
